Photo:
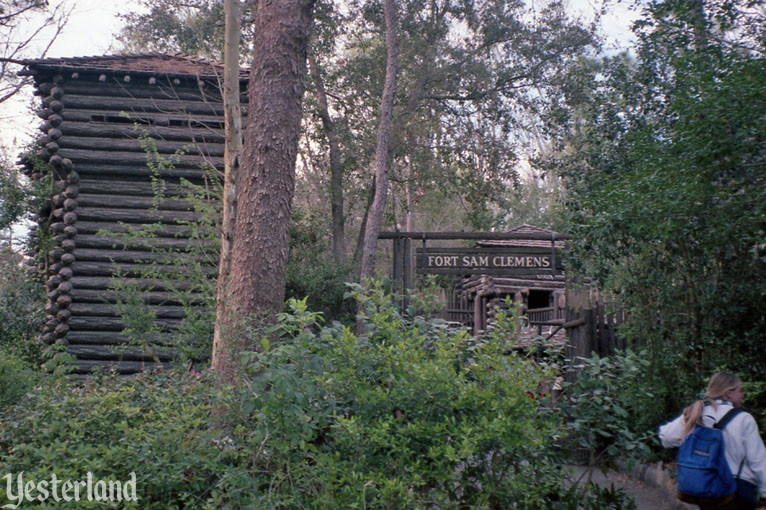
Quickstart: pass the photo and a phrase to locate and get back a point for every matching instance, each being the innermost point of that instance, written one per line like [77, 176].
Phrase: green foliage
[427, 299]
[12, 196]
[192, 28]
[184, 270]
[22, 299]
[156, 425]
[311, 273]
[608, 408]
[663, 154]
[411, 415]
[16, 379]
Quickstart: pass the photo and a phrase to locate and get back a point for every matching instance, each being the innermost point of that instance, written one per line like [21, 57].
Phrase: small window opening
[539, 299]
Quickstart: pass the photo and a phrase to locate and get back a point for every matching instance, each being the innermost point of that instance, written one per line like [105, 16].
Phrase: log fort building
[93, 110]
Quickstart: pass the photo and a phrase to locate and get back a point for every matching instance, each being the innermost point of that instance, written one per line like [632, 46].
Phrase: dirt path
[647, 497]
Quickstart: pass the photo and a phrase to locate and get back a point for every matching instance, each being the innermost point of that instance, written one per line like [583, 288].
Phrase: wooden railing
[545, 316]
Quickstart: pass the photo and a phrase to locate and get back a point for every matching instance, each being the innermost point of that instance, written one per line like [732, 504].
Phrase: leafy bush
[22, 301]
[311, 274]
[156, 425]
[16, 379]
[410, 415]
[605, 408]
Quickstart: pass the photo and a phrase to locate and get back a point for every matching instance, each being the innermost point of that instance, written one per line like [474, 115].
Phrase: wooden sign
[510, 261]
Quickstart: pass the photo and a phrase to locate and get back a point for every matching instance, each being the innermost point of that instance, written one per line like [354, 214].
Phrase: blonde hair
[719, 384]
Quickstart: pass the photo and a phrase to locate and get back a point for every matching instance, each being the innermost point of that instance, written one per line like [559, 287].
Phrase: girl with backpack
[745, 453]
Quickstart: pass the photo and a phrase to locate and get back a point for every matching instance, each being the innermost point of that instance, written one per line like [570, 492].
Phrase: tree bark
[267, 173]
[336, 168]
[375, 217]
[222, 360]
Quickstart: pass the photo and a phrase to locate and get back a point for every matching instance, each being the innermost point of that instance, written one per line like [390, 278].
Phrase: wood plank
[211, 133]
[128, 270]
[137, 188]
[114, 243]
[159, 90]
[121, 367]
[113, 324]
[103, 215]
[132, 202]
[138, 171]
[500, 282]
[481, 236]
[127, 256]
[486, 271]
[107, 310]
[131, 144]
[80, 295]
[179, 120]
[114, 338]
[104, 283]
[166, 230]
[79, 156]
[119, 352]
[490, 250]
[135, 106]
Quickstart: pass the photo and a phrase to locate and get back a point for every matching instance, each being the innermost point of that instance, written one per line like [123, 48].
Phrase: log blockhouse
[542, 297]
[93, 111]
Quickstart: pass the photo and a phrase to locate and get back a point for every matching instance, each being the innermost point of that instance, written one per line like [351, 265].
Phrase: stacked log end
[58, 213]
[92, 119]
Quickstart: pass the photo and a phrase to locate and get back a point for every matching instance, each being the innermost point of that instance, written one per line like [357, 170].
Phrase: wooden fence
[592, 325]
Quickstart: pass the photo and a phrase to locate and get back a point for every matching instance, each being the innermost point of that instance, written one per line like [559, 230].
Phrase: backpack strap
[720, 424]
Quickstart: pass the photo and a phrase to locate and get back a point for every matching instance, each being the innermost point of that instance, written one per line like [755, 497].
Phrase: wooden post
[407, 269]
[398, 278]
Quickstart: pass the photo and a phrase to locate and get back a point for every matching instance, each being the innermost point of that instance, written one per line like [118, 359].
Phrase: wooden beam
[79, 156]
[149, 297]
[127, 270]
[131, 188]
[119, 352]
[140, 171]
[98, 128]
[113, 324]
[132, 202]
[132, 90]
[185, 148]
[106, 215]
[136, 106]
[104, 283]
[113, 338]
[483, 236]
[209, 123]
[113, 243]
[107, 310]
[166, 230]
[81, 366]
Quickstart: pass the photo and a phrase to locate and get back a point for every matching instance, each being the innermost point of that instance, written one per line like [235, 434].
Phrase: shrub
[16, 379]
[156, 425]
[21, 312]
[603, 407]
[410, 415]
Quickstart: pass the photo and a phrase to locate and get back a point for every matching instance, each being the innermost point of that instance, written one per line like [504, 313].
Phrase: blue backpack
[702, 467]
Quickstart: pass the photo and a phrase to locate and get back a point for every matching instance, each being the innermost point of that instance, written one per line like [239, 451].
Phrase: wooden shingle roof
[146, 63]
[525, 229]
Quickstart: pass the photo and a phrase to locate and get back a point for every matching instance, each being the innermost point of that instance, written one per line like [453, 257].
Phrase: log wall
[101, 181]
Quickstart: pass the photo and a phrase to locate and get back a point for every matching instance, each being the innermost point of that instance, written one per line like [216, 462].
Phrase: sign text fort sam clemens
[487, 260]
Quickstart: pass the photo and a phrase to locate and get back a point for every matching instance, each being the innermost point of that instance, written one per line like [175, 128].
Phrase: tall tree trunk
[375, 217]
[222, 358]
[409, 224]
[267, 175]
[336, 170]
[360, 238]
